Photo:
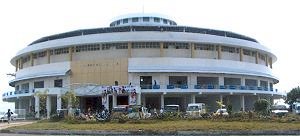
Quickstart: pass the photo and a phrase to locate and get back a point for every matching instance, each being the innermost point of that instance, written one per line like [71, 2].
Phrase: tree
[262, 106]
[293, 95]
[42, 98]
[69, 98]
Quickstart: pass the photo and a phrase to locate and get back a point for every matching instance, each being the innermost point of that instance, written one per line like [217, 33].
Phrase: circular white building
[143, 59]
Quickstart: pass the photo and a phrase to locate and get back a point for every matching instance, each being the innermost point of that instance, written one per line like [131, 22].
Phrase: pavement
[4, 125]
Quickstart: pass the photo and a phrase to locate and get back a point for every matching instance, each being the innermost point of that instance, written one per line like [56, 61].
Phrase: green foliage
[70, 96]
[262, 107]
[43, 98]
[293, 95]
[220, 104]
[229, 109]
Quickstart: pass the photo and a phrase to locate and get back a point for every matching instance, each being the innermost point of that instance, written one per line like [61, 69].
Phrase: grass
[180, 125]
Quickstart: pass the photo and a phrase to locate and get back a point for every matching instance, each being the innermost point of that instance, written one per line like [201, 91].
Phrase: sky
[274, 23]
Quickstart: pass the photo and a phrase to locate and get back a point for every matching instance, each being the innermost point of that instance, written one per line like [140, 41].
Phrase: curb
[142, 132]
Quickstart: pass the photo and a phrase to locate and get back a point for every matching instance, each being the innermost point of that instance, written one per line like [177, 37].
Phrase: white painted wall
[145, 53]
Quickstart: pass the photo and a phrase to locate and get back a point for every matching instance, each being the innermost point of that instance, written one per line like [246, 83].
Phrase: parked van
[195, 109]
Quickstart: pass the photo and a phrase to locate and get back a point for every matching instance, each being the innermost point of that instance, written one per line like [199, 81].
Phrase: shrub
[262, 107]
[229, 109]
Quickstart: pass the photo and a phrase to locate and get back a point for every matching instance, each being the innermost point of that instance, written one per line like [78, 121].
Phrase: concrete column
[144, 100]
[48, 56]
[21, 63]
[219, 52]
[107, 102]
[161, 44]
[30, 104]
[17, 65]
[70, 53]
[258, 97]
[271, 100]
[243, 81]
[266, 60]
[58, 101]
[243, 102]
[271, 62]
[20, 103]
[192, 50]
[114, 100]
[241, 54]
[129, 49]
[162, 101]
[48, 106]
[221, 80]
[31, 59]
[256, 58]
[193, 98]
[138, 99]
[258, 83]
[221, 98]
[37, 106]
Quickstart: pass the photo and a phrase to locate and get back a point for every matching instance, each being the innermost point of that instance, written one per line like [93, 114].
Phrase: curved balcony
[211, 89]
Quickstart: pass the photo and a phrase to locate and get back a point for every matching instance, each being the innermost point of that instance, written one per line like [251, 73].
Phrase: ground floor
[94, 103]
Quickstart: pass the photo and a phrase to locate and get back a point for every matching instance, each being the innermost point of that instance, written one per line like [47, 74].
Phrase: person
[9, 113]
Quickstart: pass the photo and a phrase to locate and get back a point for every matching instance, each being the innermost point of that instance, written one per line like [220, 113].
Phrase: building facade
[143, 59]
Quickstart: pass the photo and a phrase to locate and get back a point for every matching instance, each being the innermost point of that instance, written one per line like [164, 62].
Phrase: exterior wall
[206, 54]
[230, 56]
[100, 54]
[145, 53]
[40, 60]
[180, 53]
[249, 59]
[59, 58]
[100, 71]
[48, 81]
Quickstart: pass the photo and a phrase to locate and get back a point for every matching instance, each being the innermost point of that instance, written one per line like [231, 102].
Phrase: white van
[195, 109]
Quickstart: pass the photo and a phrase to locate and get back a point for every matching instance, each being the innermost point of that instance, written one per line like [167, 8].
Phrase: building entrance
[122, 100]
[93, 104]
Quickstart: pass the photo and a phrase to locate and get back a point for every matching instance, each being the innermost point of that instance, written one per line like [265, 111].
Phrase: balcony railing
[208, 86]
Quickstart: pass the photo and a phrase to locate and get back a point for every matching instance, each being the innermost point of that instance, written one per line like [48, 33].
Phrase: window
[17, 88]
[38, 84]
[58, 83]
[25, 86]
[156, 19]
[230, 49]
[87, 47]
[138, 45]
[59, 51]
[106, 46]
[262, 57]
[135, 19]
[146, 82]
[125, 21]
[118, 22]
[176, 45]
[121, 45]
[165, 21]
[146, 19]
[208, 47]
[247, 52]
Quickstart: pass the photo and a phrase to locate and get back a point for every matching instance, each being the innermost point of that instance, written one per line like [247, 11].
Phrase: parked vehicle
[171, 108]
[3, 116]
[138, 112]
[221, 112]
[195, 109]
[296, 107]
[279, 110]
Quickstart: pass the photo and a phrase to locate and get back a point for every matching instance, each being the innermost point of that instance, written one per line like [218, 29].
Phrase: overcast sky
[274, 23]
